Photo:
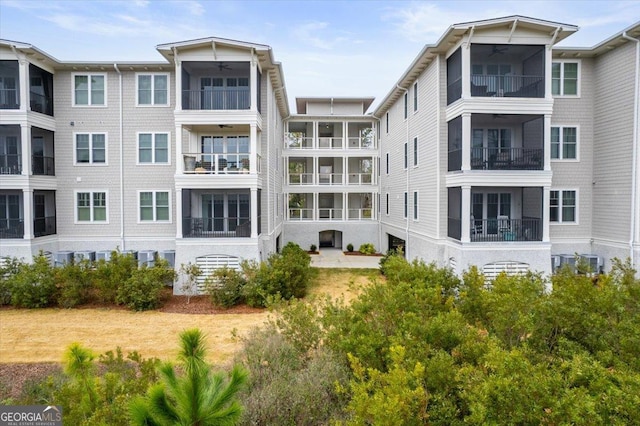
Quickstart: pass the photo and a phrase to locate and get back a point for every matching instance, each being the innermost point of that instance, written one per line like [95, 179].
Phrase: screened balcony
[330, 135]
[11, 215]
[360, 171]
[498, 142]
[217, 213]
[360, 206]
[497, 214]
[299, 136]
[44, 213]
[10, 150]
[42, 152]
[40, 90]
[217, 86]
[9, 85]
[301, 207]
[498, 71]
[360, 136]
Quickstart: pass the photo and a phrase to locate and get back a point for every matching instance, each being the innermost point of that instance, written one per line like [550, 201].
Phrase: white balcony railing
[298, 142]
[360, 178]
[330, 179]
[330, 143]
[218, 163]
[330, 214]
[361, 143]
[300, 214]
[361, 214]
[300, 179]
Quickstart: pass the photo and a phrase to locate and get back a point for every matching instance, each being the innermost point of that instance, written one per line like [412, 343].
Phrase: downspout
[121, 147]
[634, 162]
[406, 230]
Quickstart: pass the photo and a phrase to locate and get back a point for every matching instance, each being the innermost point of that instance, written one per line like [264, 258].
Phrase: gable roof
[453, 34]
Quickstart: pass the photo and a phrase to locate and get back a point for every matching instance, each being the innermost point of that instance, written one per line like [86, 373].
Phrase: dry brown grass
[30, 336]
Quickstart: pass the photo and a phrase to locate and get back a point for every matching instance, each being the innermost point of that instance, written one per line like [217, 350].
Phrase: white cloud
[141, 3]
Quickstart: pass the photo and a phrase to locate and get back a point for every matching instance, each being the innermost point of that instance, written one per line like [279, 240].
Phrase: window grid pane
[98, 148]
[97, 90]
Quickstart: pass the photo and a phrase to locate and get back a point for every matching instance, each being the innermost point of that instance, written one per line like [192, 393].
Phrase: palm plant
[197, 397]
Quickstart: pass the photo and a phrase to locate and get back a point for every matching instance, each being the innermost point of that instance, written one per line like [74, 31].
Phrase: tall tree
[196, 397]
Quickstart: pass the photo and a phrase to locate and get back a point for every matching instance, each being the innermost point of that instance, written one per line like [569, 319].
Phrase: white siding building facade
[495, 148]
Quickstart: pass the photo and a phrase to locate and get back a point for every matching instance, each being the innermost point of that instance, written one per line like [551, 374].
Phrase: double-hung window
[153, 148]
[406, 104]
[564, 78]
[415, 205]
[89, 89]
[406, 155]
[406, 204]
[415, 96]
[564, 143]
[415, 151]
[91, 206]
[563, 206]
[91, 148]
[154, 206]
[153, 89]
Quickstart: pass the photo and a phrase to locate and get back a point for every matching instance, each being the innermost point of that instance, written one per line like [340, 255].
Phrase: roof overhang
[453, 35]
[301, 103]
[605, 46]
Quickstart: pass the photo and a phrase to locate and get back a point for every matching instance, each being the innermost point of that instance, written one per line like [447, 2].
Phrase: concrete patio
[335, 258]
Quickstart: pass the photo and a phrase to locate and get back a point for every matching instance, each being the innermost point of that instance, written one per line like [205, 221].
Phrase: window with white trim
[154, 206]
[406, 104]
[564, 143]
[91, 148]
[91, 206]
[89, 89]
[415, 205]
[406, 155]
[563, 206]
[387, 157]
[406, 205]
[415, 151]
[153, 148]
[387, 121]
[415, 96]
[153, 89]
[564, 78]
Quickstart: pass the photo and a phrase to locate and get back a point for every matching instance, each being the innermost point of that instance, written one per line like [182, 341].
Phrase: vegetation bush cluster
[367, 248]
[284, 275]
[119, 281]
[425, 346]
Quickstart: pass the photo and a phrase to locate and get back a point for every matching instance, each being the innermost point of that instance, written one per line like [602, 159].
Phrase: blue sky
[328, 48]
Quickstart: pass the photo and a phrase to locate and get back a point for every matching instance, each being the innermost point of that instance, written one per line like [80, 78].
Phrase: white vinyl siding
[89, 89]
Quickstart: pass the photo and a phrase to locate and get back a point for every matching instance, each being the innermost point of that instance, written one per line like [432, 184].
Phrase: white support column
[316, 172]
[345, 176]
[25, 146]
[345, 206]
[253, 83]
[179, 151]
[253, 148]
[23, 73]
[546, 193]
[547, 142]
[27, 214]
[254, 213]
[178, 216]
[548, 61]
[466, 141]
[314, 211]
[178, 91]
[466, 70]
[465, 216]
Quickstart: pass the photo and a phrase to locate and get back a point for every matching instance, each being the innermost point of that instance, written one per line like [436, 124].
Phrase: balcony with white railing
[300, 213]
[361, 214]
[360, 179]
[218, 164]
[330, 214]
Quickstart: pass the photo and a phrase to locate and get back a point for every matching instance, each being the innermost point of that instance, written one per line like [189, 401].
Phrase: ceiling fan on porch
[498, 51]
[223, 66]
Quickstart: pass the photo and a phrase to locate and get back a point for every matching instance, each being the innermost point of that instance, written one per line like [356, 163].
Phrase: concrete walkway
[334, 258]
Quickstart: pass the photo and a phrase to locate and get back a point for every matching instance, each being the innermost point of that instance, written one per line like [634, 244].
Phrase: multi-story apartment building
[495, 148]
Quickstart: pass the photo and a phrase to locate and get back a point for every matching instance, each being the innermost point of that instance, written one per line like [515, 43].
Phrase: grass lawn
[42, 335]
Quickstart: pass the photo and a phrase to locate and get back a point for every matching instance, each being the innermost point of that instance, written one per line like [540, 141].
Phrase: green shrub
[74, 281]
[142, 291]
[109, 276]
[284, 275]
[350, 247]
[367, 248]
[225, 287]
[289, 387]
[313, 248]
[390, 253]
[9, 269]
[33, 286]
